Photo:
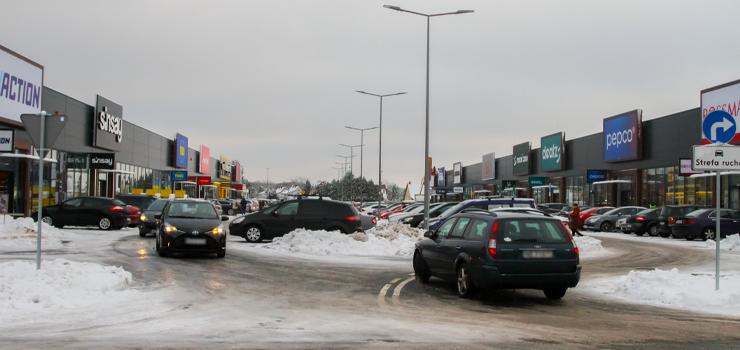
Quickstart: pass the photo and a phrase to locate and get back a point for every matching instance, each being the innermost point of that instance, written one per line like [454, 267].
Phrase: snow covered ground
[731, 244]
[20, 234]
[590, 248]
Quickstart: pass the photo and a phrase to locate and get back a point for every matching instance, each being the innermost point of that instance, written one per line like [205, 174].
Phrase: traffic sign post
[35, 127]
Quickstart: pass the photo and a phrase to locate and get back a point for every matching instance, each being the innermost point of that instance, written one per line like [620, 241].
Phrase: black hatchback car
[672, 211]
[311, 214]
[500, 250]
[106, 213]
[190, 226]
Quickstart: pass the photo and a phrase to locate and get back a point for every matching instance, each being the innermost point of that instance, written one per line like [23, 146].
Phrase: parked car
[147, 220]
[483, 203]
[190, 226]
[252, 206]
[138, 200]
[569, 209]
[368, 221]
[643, 222]
[384, 214]
[411, 209]
[500, 250]
[607, 221]
[587, 213]
[702, 223]
[135, 215]
[371, 208]
[551, 208]
[106, 213]
[435, 210]
[673, 211]
[216, 203]
[227, 206]
[311, 214]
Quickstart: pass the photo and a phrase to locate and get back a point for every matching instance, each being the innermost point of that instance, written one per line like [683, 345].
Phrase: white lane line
[395, 280]
[411, 274]
[397, 291]
[384, 290]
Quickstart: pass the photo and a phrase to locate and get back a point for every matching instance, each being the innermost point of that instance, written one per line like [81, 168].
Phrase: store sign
[204, 180]
[553, 152]
[103, 161]
[536, 181]
[179, 176]
[236, 174]
[623, 137]
[441, 174]
[224, 169]
[76, 161]
[488, 166]
[458, 189]
[20, 85]
[205, 160]
[7, 138]
[685, 168]
[181, 151]
[596, 175]
[720, 107]
[457, 173]
[108, 124]
[508, 184]
[521, 158]
[441, 191]
[716, 157]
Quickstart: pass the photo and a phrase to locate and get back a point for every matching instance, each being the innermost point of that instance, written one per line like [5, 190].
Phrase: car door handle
[458, 247]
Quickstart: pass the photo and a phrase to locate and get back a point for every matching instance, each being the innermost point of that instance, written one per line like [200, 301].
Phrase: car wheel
[231, 212]
[104, 223]
[421, 271]
[707, 233]
[555, 293]
[653, 230]
[464, 282]
[253, 234]
[142, 234]
[606, 226]
[47, 220]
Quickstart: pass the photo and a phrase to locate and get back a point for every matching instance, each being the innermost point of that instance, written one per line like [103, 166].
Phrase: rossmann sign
[623, 137]
[721, 105]
[20, 85]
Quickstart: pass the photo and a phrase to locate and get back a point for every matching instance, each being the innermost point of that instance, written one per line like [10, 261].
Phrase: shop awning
[185, 182]
[543, 186]
[715, 174]
[26, 156]
[117, 171]
[612, 182]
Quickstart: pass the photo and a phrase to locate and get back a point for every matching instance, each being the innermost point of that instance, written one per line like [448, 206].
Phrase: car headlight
[169, 228]
[218, 230]
[238, 220]
[408, 219]
[143, 218]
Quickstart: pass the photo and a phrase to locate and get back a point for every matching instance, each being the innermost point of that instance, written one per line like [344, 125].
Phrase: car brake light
[117, 208]
[640, 218]
[374, 221]
[492, 240]
[671, 220]
[352, 218]
[688, 221]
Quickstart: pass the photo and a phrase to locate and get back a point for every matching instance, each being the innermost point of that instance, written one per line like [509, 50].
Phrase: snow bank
[383, 240]
[58, 284]
[682, 291]
[589, 247]
[21, 234]
[731, 243]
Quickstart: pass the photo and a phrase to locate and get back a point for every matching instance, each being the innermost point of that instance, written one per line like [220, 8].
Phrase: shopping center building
[97, 153]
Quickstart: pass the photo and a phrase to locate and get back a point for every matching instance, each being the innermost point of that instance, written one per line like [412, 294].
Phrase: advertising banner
[457, 173]
[103, 161]
[623, 137]
[521, 158]
[720, 107]
[489, 166]
[596, 175]
[107, 124]
[20, 85]
[441, 176]
[181, 151]
[224, 169]
[536, 181]
[685, 168]
[204, 180]
[179, 176]
[7, 138]
[553, 152]
[205, 160]
[236, 174]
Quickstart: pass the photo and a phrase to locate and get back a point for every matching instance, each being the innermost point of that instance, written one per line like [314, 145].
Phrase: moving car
[482, 203]
[500, 250]
[147, 220]
[416, 218]
[607, 221]
[537, 211]
[106, 213]
[643, 222]
[284, 217]
[190, 226]
[673, 211]
[702, 223]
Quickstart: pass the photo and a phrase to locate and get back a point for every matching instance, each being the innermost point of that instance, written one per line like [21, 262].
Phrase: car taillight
[117, 208]
[374, 221]
[352, 218]
[640, 218]
[492, 241]
[688, 221]
[671, 220]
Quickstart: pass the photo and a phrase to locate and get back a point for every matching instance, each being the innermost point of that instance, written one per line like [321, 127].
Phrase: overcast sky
[272, 83]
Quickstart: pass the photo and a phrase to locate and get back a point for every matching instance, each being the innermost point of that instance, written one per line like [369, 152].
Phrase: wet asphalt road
[250, 300]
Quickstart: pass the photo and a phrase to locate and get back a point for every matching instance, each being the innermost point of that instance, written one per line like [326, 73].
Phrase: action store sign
[521, 158]
[623, 137]
[720, 107]
[553, 152]
[20, 85]
[205, 160]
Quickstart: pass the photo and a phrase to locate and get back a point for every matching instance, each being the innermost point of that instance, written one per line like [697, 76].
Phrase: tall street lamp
[345, 168]
[380, 143]
[426, 142]
[339, 179]
[362, 143]
[351, 161]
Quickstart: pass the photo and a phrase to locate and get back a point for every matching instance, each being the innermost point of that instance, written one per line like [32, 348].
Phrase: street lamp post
[362, 143]
[339, 178]
[351, 161]
[426, 141]
[380, 143]
[345, 169]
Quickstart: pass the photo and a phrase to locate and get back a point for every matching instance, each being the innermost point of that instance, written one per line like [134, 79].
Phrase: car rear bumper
[490, 277]
[685, 231]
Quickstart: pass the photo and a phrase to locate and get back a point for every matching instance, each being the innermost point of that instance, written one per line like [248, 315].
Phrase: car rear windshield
[531, 230]
[697, 213]
[193, 210]
[157, 205]
[678, 211]
[119, 203]
[647, 211]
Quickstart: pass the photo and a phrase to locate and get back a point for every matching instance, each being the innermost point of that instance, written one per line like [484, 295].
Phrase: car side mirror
[158, 216]
[224, 218]
[430, 234]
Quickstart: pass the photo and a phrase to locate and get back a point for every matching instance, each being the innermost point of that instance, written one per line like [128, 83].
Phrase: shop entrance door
[103, 184]
[6, 191]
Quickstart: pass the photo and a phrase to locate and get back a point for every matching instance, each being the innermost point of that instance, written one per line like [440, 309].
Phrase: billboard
[20, 85]
[488, 171]
[596, 175]
[179, 176]
[7, 140]
[457, 173]
[103, 161]
[623, 137]
[441, 176]
[181, 151]
[685, 168]
[205, 160]
[107, 124]
[521, 158]
[553, 152]
[721, 105]
[224, 168]
[537, 181]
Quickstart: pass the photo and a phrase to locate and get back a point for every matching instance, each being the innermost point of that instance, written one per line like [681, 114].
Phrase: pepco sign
[623, 137]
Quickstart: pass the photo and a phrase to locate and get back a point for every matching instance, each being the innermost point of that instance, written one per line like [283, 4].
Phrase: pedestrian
[574, 220]
[244, 205]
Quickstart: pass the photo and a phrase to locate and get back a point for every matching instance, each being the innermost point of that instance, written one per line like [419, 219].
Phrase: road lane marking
[397, 291]
[394, 281]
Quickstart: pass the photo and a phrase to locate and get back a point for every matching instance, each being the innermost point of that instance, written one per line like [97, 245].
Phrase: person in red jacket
[573, 219]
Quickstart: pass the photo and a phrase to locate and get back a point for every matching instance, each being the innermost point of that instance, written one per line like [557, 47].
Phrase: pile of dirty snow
[589, 247]
[731, 243]
[676, 290]
[383, 240]
[59, 283]
[20, 234]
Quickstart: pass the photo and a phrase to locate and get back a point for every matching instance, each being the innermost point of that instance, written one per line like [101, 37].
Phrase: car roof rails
[477, 211]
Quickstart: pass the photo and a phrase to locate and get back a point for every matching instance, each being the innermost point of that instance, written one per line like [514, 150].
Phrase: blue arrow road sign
[719, 127]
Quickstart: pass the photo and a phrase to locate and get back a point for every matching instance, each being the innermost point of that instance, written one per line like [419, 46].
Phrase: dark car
[283, 217]
[643, 222]
[190, 226]
[483, 203]
[106, 213]
[137, 200]
[415, 219]
[227, 205]
[500, 250]
[551, 208]
[673, 211]
[148, 221]
[702, 223]
[368, 221]
[607, 222]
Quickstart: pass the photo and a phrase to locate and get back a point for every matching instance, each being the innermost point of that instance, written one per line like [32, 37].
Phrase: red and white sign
[205, 160]
[204, 180]
[686, 169]
[725, 97]
[238, 173]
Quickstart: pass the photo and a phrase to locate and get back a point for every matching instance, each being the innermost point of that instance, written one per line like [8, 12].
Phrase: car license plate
[679, 221]
[662, 224]
[537, 254]
[195, 241]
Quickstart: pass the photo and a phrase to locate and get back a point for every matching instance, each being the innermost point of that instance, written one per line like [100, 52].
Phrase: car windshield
[532, 231]
[416, 209]
[612, 212]
[157, 205]
[193, 210]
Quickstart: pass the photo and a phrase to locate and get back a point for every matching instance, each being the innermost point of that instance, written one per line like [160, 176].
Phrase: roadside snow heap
[731, 243]
[59, 283]
[21, 234]
[383, 240]
[589, 246]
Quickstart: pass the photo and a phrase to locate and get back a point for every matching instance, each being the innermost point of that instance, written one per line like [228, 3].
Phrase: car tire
[104, 223]
[231, 212]
[653, 230]
[707, 233]
[464, 282]
[606, 226]
[142, 234]
[253, 234]
[158, 248]
[421, 271]
[47, 220]
[555, 293]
